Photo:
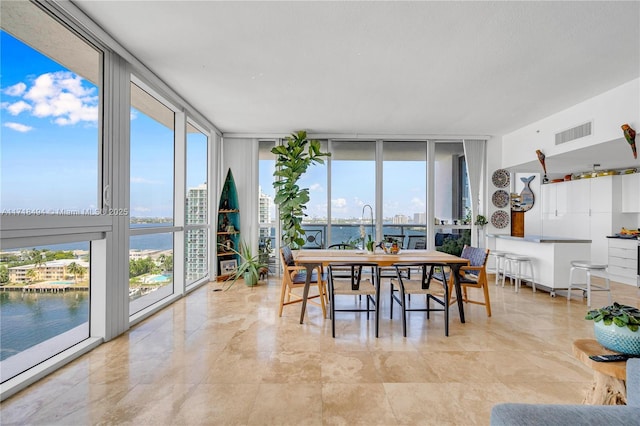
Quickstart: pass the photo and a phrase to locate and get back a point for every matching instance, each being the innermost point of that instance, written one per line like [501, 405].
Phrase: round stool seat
[585, 264]
[586, 287]
[520, 257]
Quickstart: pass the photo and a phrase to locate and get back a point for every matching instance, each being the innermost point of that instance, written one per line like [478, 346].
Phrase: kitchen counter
[551, 256]
[541, 239]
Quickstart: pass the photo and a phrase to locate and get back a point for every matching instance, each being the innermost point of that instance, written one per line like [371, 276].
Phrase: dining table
[312, 258]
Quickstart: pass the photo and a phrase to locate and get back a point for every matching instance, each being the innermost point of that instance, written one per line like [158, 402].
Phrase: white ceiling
[446, 69]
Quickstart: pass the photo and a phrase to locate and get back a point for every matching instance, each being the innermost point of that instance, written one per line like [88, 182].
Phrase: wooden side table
[609, 378]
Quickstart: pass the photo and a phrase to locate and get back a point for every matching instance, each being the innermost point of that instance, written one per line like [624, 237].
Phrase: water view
[30, 318]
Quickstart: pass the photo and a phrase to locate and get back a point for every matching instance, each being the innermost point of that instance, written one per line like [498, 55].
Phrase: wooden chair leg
[322, 295]
[487, 301]
[282, 293]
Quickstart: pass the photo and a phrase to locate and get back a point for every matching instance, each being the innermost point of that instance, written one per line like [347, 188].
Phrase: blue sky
[49, 141]
[355, 187]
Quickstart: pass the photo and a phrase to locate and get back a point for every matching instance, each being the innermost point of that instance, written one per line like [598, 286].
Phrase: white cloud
[315, 187]
[339, 203]
[418, 204]
[18, 127]
[16, 90]
[61, 96]
[17, 107]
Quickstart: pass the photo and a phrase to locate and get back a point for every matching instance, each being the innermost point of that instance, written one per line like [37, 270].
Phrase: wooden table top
[582, 348]
[328, 256]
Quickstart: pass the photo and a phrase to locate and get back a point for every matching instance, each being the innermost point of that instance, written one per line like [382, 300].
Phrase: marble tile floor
[226, 358]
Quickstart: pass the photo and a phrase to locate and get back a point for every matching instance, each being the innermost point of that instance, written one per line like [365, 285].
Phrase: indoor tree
[293, 159]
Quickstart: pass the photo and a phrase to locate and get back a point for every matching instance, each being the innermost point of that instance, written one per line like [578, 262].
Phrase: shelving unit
[228, 231]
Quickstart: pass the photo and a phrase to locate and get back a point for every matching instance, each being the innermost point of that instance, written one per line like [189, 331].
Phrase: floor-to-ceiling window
[353, 191]
[315, 220]
[50, 185]
[404, 192]
[451, 195]
[267, 218]
[151, 200]
[197, 205]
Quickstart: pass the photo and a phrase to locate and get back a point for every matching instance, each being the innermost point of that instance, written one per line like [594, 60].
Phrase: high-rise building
[400, 219]
[420, 218]
[196, 238]
[264, 213]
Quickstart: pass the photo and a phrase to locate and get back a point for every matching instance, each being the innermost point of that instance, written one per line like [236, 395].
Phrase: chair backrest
[342, 246]
[287, 256]
[477, 256]
[351, 271]
[422, 272]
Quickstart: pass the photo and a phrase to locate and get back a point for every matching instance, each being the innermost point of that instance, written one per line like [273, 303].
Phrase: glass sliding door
[197, 207]
[404, 192]
[151, 200]
[353, 186]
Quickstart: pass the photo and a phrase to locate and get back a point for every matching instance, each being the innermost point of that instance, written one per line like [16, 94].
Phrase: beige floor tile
[227, 358]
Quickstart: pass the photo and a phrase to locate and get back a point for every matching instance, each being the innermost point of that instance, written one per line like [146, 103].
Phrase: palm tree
[37, 259]
[31, 275]
[76, 270]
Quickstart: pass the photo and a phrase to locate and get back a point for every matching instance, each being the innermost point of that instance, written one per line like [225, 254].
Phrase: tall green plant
[294, 158]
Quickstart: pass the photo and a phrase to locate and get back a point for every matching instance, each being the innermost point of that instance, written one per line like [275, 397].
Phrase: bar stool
[514, 269]
[587, 287]
[499, 263]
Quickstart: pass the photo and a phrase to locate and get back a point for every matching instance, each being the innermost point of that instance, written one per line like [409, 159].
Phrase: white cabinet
[585, 208]
[623, 260]
[631, 193]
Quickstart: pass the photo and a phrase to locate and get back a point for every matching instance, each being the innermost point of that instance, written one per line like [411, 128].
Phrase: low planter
[616, 327]
[617, 339]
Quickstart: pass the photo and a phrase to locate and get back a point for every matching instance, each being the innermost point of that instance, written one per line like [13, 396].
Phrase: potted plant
[616, 327]
[293, 159]
[480, 221]
[249, 268]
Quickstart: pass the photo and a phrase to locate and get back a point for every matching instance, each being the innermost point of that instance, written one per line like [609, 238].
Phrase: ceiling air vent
[574, 133]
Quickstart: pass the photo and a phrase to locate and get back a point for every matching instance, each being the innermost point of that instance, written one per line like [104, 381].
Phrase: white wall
[606, 111]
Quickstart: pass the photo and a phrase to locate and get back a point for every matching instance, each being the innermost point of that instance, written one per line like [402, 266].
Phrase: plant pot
[617, 339]
[250, 279]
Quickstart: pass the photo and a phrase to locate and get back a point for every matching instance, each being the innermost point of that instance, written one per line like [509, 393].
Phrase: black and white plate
[500, 219]
[500, 178]
[500, 198]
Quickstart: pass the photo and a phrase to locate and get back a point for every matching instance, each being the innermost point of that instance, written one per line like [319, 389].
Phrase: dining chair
[359, 282]
[342, 246]
[473, 275]
[294, 277]
[420, 282]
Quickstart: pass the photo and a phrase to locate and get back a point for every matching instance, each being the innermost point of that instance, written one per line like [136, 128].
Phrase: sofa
[514, 414]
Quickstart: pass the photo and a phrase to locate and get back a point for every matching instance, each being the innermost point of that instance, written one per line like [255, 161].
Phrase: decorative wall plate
[500, 198]
[500, 219]
[500, 178]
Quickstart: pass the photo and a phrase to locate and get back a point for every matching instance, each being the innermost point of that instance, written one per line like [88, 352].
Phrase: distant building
[196, 239]
[420, 218]
[265, 203]
[54, 270]
[400, 219]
